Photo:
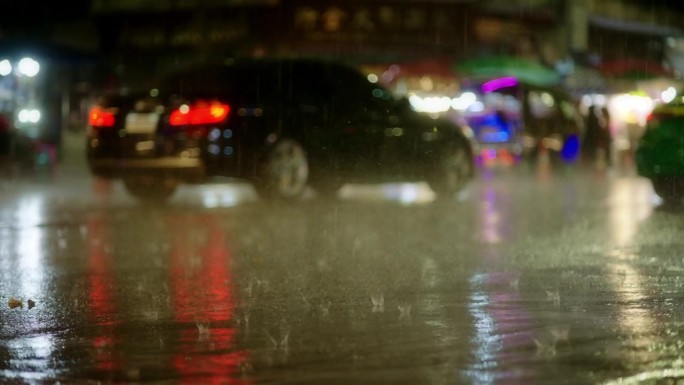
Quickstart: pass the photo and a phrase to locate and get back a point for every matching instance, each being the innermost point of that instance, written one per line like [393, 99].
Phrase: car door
[368, 122]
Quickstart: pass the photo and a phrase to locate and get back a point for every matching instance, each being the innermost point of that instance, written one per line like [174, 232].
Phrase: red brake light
[200, 113]
[655, 118]
[100, 117]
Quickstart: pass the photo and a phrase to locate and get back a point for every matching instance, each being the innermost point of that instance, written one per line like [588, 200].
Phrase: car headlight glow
[29, 116]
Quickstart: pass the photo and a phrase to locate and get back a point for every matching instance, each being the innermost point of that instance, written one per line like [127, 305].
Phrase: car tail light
[101, 117]
[199, 113]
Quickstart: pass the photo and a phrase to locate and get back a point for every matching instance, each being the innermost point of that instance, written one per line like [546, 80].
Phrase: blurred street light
[5, 67]
[28, 67]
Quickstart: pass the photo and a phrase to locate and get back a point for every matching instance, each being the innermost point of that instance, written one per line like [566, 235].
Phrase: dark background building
[87, 46]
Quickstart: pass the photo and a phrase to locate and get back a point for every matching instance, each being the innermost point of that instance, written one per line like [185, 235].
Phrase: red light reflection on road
[201, 295]
[102, 303]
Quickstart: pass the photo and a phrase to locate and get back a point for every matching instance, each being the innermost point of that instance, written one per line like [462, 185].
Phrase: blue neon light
[571, 149]
[495, 137]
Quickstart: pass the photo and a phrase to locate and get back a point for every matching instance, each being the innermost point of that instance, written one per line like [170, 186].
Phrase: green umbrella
[525, 70]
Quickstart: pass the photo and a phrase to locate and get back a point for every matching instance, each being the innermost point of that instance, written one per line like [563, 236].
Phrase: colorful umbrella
[525, 70]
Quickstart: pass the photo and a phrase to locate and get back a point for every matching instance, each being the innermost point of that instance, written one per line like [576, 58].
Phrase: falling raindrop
[553, 296]
[283, 341]
[560, 333]
[245, 322]
[404, 313]
[325, 309]
[378, 301]
[356, 246]
[151, 315]
[545, 348]
[323, 265]
[203, 331]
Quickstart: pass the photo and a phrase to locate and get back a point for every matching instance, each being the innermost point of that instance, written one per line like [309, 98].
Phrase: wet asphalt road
[529, 277]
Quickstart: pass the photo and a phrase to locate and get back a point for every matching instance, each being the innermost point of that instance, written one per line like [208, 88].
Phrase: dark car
[282, 124]
[660, 154]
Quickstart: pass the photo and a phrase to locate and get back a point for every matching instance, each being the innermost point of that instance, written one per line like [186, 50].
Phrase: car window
[252, 82]
[350, 83]
[542, 104]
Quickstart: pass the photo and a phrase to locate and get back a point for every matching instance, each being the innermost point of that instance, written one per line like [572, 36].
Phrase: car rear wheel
[325, 178]
[452, 171]
[284, 171]
[670, 189]
[150, 188]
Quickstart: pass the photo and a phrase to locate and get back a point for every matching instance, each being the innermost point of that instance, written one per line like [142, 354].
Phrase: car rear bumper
[185, 169]
[652, 164]
[660, 156]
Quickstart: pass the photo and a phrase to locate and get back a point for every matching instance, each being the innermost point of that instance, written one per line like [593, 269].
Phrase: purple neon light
[495, 84]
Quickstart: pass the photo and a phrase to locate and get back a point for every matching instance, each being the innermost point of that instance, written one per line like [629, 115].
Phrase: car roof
[246, 75]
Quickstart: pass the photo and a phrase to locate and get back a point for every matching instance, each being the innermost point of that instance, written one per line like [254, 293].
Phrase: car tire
[283, 172]
[325, 178]
[150, 189]
[452, 170]
[669, 189]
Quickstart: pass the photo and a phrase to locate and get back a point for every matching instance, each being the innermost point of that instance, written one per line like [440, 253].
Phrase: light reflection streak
[31, 242]
[629, 287]
[487, 343]
[102, 300]
[203, 301]
[491, 217]
[645, 377]
[403, 193]
[219, 197]
[628, 206]
[500, 324]
[33, 354]
[216, 194]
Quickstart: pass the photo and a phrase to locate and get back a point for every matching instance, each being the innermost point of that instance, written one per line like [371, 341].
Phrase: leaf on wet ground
[15, 303]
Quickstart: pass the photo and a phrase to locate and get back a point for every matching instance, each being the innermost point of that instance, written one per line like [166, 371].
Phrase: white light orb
[28, 67]
[5, 67]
